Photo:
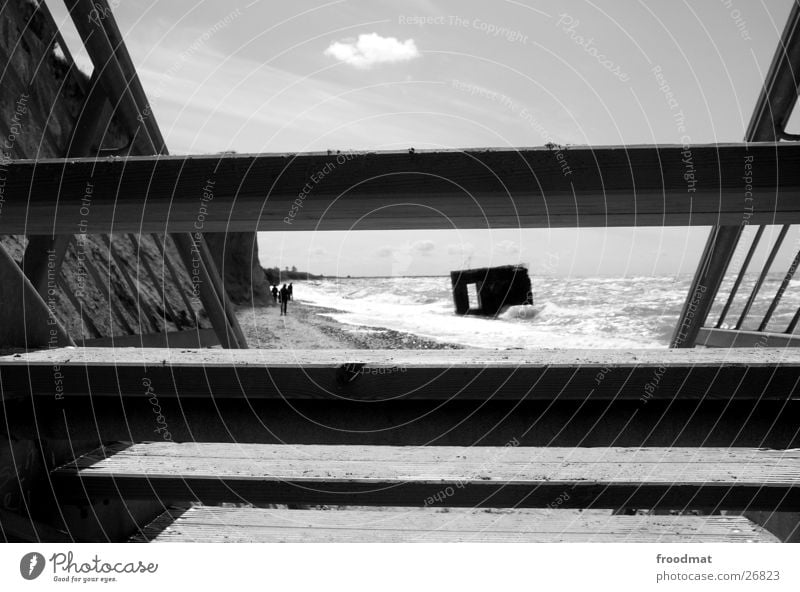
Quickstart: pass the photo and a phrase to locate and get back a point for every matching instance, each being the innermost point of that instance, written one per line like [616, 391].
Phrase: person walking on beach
[284, 296]
[291, 292]
[275, 293]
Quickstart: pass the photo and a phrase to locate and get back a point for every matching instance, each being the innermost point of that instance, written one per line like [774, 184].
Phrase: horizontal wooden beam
[481, 188]
[396, 375]
[16, 528]
[270, 525]
[196, 338]
[439, 476]
[710, 337]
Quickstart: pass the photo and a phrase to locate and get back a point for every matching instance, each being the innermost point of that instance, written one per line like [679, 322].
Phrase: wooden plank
[107, 51]
[224, 524]
[197, 258]
[43, 258]
[195, 338]
[779, 94]
[674, 478]
[383, 375]
[117, 75]
[708, 277]
[750, 339]
[14, 527]
[483, 188]
[26, 321]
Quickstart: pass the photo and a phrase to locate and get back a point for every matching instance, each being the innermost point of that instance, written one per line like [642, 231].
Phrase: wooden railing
[767, 124]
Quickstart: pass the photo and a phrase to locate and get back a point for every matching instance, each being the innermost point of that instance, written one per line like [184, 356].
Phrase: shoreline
[305, 327]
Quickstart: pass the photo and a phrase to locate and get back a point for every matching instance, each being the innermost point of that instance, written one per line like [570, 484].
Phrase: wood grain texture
[14, 527]
[711, 337]
[481, 188]
[381, 375]
[405, 525]
[675, 478]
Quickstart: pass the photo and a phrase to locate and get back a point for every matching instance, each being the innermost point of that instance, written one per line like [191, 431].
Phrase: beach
[418, 313]
[306, 327]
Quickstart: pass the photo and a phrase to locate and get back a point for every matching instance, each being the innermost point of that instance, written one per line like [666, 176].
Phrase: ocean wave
[567, 312]
[576, 314]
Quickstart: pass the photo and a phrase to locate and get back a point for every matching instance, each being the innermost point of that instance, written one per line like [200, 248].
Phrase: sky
[354, 75]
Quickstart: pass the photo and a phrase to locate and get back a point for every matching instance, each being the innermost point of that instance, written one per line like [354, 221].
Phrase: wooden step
[407, 525]
[401, 375]
[672, 478]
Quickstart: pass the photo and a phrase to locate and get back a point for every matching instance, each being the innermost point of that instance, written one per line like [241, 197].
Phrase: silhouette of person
[275, 293]
[291, 292]
[284, 299]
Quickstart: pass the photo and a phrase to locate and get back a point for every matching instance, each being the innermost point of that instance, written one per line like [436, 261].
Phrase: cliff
[41, 97]
[236, 256]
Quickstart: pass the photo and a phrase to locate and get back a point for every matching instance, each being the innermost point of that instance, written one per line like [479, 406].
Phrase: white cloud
[385, 252]
[370, 49]
[423, 247]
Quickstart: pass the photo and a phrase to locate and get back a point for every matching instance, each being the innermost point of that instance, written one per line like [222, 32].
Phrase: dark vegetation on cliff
[276, 275]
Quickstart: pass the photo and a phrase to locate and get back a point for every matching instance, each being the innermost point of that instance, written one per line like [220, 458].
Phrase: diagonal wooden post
[20, 301]
[118, 77]
[772, 112]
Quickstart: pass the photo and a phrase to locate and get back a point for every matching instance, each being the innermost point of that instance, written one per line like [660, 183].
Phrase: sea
[569, 313]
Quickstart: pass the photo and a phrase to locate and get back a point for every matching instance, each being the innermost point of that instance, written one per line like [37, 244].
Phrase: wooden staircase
[243, 525]
[558, 446]
[437, 478]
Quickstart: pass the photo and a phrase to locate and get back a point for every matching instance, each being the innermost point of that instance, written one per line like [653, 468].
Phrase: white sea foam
[567, 312]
